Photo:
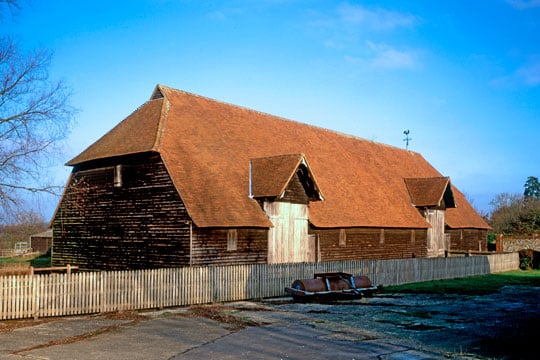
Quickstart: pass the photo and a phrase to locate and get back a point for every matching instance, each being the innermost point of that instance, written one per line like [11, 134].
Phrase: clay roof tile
[207, 146]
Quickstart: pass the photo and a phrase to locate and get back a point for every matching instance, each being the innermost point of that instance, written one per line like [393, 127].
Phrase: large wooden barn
[186, 180]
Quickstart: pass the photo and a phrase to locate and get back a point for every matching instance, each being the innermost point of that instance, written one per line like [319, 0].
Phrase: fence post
[101, 291]
[35, 295]
[110, 290]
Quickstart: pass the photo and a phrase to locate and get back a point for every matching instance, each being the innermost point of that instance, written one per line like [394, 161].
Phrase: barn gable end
[284, 186]
[142, 224]
[432, 196]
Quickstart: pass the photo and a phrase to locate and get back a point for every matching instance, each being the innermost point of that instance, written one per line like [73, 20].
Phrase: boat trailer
[331, 286]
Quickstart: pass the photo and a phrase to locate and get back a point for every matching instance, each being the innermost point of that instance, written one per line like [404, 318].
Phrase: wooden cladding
[213, 246]
[232, 240]
[295, 191]
[467, 239]
[370, 243]
[118, 176]
[288, 239]
[141, 224]
[125, 213]
[436, 244]
[342, 238]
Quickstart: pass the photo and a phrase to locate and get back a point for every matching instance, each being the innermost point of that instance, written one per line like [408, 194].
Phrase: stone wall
[517, 243]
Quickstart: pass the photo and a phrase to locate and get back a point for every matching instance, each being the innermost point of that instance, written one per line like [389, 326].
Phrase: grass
[473, 285]
[14, 261]
[19, 261]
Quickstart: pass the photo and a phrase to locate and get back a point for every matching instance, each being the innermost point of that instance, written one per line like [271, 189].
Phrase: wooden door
[288, 240]
[436, 239]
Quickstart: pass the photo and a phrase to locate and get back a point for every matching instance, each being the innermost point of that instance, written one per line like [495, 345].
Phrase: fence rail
[25, 251]
[33, 296]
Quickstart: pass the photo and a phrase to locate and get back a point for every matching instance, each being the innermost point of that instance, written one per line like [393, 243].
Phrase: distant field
[474, 285]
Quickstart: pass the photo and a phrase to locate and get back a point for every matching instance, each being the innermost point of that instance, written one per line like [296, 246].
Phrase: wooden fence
[33, 296]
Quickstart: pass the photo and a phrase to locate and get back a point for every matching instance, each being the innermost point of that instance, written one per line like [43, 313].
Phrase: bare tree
[34, 116]
[8, 6]
[25, 223]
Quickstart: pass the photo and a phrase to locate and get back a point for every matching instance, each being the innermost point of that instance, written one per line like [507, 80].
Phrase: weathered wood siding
[370, 243]
[295, 192]
[436, 240]
[288, 240]
[141, 224]
[41, 244]
[468, 239]
[209, 246]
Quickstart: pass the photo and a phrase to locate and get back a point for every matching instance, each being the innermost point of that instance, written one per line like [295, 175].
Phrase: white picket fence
[33, 296]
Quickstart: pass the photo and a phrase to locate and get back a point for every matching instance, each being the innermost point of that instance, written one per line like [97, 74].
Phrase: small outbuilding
[42, 242]
[187, 180]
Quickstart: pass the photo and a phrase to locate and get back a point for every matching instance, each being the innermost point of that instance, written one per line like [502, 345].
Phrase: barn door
[288, 240]
[436, 239]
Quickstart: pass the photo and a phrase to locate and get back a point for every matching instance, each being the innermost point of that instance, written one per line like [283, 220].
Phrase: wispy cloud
[366, 35]
[526, 75]
[383, 56]
[524, 4]
[390, 58]
[374, 19]
[529, 74]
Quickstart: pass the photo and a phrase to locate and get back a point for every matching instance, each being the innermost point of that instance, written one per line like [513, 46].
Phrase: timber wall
[209, 246]
[141, 224]
[93, 292]
[468, 239]
[370, 243]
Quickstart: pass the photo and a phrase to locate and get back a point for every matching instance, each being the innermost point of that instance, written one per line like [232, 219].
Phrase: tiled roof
[207, 147]
[429, 192]
[125, 138]
[271, 175]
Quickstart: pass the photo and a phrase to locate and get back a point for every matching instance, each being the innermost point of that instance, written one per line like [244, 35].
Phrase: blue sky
[462, 76]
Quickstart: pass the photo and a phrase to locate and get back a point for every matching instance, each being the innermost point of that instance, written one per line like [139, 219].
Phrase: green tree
[514, 214]
[532, 188]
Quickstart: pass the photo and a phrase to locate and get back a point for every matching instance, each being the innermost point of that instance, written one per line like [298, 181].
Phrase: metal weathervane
[407, 139]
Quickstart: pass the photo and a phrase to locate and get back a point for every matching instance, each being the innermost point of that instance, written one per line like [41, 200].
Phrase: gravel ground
[387, 326]
[500, 325]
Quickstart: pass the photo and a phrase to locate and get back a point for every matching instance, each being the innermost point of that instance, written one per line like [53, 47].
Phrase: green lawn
[11, 261]
[42, 261]
[474, 285]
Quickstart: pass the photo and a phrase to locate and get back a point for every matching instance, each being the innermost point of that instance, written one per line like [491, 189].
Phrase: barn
[187, 180]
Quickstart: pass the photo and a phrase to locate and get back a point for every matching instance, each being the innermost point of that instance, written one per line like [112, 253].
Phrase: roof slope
[271, 175]
[207, 147]
[138, 133]
[427, 192]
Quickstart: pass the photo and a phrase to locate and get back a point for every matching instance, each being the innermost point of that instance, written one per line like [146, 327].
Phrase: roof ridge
[427, 178]
[280, 155]
[168, 88]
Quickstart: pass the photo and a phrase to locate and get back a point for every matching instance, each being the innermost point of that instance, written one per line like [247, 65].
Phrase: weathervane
[407, 139]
